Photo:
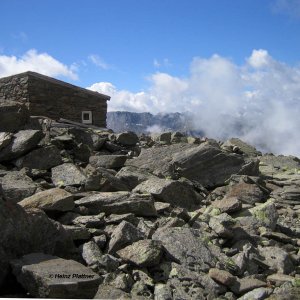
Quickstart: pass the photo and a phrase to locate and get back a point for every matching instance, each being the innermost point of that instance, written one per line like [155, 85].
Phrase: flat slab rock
[119, 203]
[52, 199]
[171, 191]
[46, 276]
[186, 247]
[204, 163]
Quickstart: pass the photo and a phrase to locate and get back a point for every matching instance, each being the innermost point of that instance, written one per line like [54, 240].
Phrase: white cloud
[38, 62]
[99, 62]
[258, 101]
[287, 7]
[259, 58]
[163, 63]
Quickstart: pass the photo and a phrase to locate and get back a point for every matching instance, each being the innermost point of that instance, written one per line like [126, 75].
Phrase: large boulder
[119, 203]
[5, 138]
[50, 200]
[47, 276]
[42, 158]
[143, 253]
[187, 247]
[24, 232]
[174, 192]
[128, 138]
[15, 186]
[237, 145]
[21, 143]
[123, 235]
[204, 163]
[68, 174]
[13, 116]
[132, 176]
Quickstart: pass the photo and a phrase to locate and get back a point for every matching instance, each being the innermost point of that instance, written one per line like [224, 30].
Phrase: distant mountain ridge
[146, 122]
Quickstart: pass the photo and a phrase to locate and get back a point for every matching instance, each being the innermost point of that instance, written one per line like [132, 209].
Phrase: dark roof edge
[59, 82]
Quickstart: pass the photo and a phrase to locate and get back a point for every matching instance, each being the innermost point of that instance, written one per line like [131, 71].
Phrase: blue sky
[128, 36]
[226, 61]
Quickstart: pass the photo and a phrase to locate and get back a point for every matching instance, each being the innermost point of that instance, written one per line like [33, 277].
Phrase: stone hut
[49, 97]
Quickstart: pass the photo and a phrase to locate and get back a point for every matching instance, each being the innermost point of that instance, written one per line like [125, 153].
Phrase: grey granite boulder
[5, 138]
[68, 174]
[91, 253]
[46, 276]
[186, 246]
[42, 158]
[23, 232]
[132, 176]
[174, 192]
[52, 199]
[127, 138]
[143, 253]
[123, 235]
[15, 186]
[207, 164]
[119, 203]
[21, 143]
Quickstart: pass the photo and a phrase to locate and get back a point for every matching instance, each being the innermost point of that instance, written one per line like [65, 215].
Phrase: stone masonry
[46, 96]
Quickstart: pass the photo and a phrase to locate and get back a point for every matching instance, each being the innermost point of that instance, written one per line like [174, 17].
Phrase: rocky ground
[86, 213]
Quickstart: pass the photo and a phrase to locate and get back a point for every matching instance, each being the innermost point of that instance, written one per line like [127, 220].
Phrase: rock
[128, 138]
[222, 276]
[246, 284]
[143, 253]
[91, 253]
[174, 192]
[22, 142]
[100, 240]
[277, 259]
[108, 161]
[178, 137]
[132, 176]
[77, 232]
[186, 246]
[222, 224]
[15, 186]
[287, 195]
[46, 276]
[247, 193]
[67, 175]
[117, 219]
[41, 158]
[266, 214]
[285, 292]
[244, 147]
[162, 292]
[228, 204]
[109, 262]
[54, 199]
[106, 291]
[13, 116]
[89, 221]
[5, 138]
[257, 294]
[279, 278]
[163, 138]
[204, 163]
[23, 232]
[119, 203]
[124, 234]
[109, 182]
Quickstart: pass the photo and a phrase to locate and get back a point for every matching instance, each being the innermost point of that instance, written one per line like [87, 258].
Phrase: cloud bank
[33, 61]
[258, 101]
[290, 8]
